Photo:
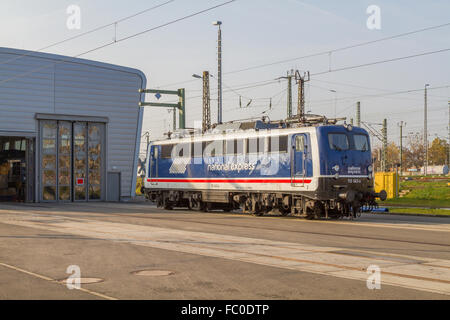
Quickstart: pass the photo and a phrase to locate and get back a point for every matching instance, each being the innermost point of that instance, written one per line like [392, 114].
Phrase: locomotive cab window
[338, 141]
[213, 148]
[299, 143]
[183, 150]
[361, 142]
[282, 143]
[166, 151]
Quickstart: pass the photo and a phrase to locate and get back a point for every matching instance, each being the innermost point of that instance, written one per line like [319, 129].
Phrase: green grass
[430, 203]
[441, 212]
[428, 192]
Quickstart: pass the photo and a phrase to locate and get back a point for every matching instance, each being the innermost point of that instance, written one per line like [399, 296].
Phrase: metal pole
[448, 142]
[358, 114]
[182, 109]
[301, 99]
[401, 146]
[383, 161]
[181, 105]
[174, 119]
[301, 93]
[396, 181]
[219, 75]
[206, 123]
[380, 157]
[289, 97]
[425, 133]
[335, 98]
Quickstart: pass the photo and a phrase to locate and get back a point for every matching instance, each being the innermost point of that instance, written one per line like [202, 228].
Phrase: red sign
[80, 181]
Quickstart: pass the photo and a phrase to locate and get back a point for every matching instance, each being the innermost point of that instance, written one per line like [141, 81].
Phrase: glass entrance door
[80, 161]
[96, 132]
[48, 160]
[64, 161]
[72, 161]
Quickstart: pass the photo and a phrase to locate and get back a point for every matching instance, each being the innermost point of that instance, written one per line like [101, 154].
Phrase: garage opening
[16, 169]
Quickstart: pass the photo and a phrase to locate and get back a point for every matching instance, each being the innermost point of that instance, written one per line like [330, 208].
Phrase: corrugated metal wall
[33, 83]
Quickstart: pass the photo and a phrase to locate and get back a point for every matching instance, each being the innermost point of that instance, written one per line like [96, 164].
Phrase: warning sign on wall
[80, 181]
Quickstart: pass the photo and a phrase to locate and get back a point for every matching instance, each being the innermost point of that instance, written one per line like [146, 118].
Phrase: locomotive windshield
[338, 141]
[361, 142]
[343, 142]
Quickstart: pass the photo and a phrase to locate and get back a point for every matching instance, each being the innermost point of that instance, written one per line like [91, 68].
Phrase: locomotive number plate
[354, 180]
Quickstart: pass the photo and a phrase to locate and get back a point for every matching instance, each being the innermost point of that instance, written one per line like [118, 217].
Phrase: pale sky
[257, 32]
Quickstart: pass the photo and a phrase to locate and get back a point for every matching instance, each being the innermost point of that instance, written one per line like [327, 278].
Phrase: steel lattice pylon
[206, 123]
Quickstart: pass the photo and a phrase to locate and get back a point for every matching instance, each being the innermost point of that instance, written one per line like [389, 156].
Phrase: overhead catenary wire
[339, 49]
[248, 86]
[381, 61]
[114, 23]
[62, 60]
[382, 94]
[369, 88]
[345, 48]
[378, 95]
[370, 64]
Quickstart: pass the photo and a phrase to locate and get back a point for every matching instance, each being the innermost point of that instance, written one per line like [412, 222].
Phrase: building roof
[61, 58]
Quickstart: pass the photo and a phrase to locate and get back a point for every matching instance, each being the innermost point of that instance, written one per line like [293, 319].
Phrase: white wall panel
[33, 83]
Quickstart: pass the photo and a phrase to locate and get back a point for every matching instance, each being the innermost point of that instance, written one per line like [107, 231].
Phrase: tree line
[413, 153]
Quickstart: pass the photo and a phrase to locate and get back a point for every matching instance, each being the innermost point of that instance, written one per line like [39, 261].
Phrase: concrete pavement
[217, 255]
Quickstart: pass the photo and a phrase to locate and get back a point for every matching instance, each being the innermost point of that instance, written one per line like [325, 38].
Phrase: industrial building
[70, 128]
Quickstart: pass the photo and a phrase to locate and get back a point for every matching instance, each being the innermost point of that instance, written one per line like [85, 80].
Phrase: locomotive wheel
[206, 207]
[283, 211]
[257, 210]
[167, 204]
[356, 211]
[195, 204]
[316, 213]
[334, 214]
[311, 214]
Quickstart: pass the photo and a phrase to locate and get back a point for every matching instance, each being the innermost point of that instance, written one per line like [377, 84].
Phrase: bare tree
[414, 154]
[392, 157]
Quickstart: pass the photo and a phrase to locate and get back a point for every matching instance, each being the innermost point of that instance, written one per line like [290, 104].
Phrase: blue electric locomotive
[316, 171]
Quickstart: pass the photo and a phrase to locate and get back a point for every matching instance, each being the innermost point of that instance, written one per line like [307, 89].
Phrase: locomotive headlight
[336, 176]
[335, 168]
[369, 168]
[349, 127]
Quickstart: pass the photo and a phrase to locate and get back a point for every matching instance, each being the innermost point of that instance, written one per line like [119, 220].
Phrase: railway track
[414, 272]
[265, 228]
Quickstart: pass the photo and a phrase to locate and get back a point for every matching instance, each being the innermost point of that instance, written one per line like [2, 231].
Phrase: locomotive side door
[153, 170]
[298, 159]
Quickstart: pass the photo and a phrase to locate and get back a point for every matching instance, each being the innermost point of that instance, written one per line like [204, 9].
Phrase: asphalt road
[192, 255]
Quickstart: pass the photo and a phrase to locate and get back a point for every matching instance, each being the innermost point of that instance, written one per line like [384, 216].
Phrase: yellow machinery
[387, 181]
